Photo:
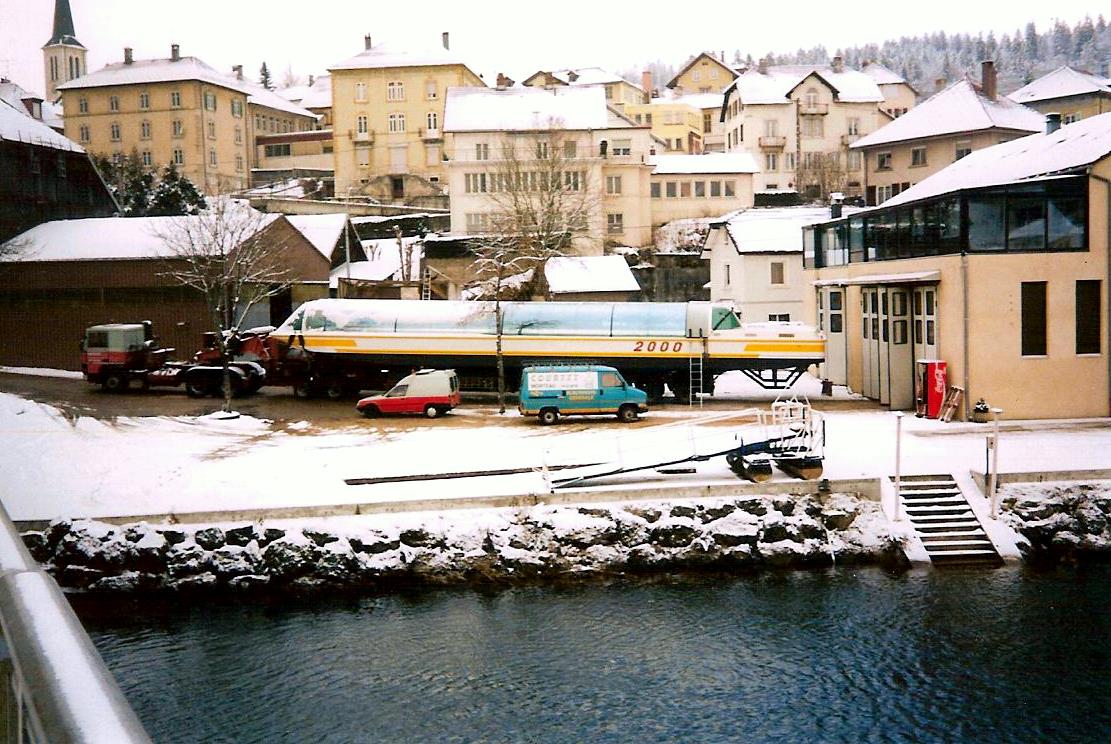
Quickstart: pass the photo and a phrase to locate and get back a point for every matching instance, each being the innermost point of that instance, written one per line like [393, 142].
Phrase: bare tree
[290, 78]
[405, 254]
[821, 173]
[543, 200]
[232, 256]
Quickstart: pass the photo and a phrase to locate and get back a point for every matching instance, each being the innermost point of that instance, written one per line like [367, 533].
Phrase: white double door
[899, 325]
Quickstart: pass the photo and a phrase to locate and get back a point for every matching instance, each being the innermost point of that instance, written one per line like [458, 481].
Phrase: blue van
[564, 390]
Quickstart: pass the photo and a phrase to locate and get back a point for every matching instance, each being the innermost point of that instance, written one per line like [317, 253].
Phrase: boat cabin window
[725, 318]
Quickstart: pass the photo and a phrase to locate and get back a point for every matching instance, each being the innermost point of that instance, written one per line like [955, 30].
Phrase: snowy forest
[1020, 56]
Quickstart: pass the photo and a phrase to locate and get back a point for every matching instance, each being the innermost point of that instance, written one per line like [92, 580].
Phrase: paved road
[78, 398]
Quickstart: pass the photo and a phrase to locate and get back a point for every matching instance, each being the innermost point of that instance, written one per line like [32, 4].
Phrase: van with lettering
[568, 390]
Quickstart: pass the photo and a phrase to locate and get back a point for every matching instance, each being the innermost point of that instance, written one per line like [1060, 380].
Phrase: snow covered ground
[62, 467]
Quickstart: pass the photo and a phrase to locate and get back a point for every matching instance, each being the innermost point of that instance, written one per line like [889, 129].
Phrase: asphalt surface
[78, 398]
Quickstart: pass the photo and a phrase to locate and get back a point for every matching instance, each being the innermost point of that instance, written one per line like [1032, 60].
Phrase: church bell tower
[63, 55]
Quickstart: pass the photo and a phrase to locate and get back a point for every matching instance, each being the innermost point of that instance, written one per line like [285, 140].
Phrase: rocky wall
[1069, 521]
[544, 543]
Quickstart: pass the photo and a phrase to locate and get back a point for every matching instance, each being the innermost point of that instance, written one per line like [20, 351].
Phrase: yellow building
[619, 91]
[705, 73]
[996, 265]
[690, 186]
[387, 120]
[1073, 94]
[676, 122]
[177, 110]
[941, 130]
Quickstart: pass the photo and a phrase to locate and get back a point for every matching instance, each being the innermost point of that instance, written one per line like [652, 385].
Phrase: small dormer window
[811, 97]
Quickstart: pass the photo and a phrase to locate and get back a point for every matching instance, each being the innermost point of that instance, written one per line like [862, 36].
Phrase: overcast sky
[492, 36]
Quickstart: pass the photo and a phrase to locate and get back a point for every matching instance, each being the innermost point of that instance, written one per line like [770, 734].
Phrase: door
[399, 159]
[900, 351]
[883, 378]
[925, 322]
[869, 351]
[831, 321]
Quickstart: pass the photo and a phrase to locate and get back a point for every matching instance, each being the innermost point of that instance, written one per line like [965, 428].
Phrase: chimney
[722, 56]
[175, 52]
[838, 64]
[366, 41]
[646, 84]
[444, 39]
[127, 58]
[1052, 122]
[987, 79]
[238, 70]
[939, 85]
[762, 66]
[503, 82]
[572, 76]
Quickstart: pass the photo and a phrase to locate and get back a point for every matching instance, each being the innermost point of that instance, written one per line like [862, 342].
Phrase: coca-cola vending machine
[931, 380]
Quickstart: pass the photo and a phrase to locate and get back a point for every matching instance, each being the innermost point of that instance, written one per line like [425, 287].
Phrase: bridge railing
[54, 687]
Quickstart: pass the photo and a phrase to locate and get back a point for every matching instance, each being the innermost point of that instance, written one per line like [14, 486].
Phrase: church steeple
[63, 55]
[63, 25]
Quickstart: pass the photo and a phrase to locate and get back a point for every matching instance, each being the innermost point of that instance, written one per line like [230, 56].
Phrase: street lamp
[994, 480]
[898, 461]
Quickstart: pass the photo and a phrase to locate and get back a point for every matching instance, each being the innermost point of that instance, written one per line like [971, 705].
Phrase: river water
[841, 655]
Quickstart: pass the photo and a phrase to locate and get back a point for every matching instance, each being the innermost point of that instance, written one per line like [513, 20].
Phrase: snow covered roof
[586, 76]
[771, 229]
[383, 262]
[1064, 81]
[1035, 156]
[717, 162]
[589, 274]
[186, 68]
[489, 109]
[697, 100]
[958, 108]
[322, 230]
[16, 125]
[881, 74]
[319, 95]
[774, 86]
[383, 56]
[103, 238]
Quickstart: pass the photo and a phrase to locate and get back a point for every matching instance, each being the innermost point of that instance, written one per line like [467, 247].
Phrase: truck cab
[563, 390]
[113, 354]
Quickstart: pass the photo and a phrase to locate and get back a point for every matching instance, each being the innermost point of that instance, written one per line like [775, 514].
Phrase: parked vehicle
[117, 355]
[564, 390]
[432, 392]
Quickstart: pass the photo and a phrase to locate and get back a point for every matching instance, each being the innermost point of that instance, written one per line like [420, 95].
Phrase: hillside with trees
[1020, 56]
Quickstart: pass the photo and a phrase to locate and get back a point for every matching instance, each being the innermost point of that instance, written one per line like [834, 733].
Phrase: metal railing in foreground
[55, 687]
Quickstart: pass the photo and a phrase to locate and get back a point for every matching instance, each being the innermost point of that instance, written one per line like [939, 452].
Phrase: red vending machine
[931, 381]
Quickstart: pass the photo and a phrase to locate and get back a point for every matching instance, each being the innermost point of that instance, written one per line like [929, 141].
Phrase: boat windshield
[725, 318]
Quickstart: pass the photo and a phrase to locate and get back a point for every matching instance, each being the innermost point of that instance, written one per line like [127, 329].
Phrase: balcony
[367, 137]
[773, 142]
[813, 109]
[848, 139]
[431, 135]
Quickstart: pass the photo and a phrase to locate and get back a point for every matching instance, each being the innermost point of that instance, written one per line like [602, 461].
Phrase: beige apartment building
[798, 122]
[177, 110]
[603, 153]
[691, 186]
[941, 130]
[996, 265]
[899, 96]
[674, 121]
[388, 120]
[1073, 94]
[703, 74]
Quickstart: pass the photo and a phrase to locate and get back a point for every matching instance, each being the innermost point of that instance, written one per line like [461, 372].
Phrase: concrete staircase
[945, 522]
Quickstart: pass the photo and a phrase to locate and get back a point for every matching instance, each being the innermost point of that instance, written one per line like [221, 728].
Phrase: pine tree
[175, 195]
[264, 77]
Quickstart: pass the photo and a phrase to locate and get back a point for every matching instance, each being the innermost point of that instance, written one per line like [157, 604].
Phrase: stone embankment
[544, 543]
[1060, 521]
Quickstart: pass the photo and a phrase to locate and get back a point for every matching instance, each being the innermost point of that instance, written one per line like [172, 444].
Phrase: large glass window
[650, 319]
[558, 319]
[1026, 222]
[1066, 222]
[986, 223]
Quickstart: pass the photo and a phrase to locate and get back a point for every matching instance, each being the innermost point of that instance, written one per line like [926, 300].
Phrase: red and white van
[432, 392]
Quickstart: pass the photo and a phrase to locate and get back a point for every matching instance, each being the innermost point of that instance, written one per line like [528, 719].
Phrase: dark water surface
[842, 655]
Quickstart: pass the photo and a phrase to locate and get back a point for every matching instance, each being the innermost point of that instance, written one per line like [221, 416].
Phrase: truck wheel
[627, 413]
[548, 416]
[370, 411]
[195, 390]
[431, 411]
[115, 383]
[303, 390]
[335, 391]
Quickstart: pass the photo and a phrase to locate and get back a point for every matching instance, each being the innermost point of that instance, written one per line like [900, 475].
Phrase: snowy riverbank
[499, 546]
[1060, 521]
